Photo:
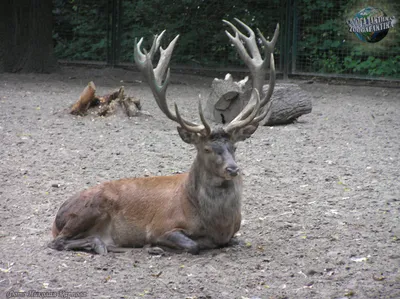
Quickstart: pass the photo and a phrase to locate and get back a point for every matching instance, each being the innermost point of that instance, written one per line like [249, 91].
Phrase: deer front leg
[178, 240]
[91, 243]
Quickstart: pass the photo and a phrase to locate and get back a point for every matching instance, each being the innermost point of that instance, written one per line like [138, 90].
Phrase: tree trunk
[26, 36]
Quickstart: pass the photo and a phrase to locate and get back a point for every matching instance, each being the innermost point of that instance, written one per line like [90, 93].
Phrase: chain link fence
[315, 35]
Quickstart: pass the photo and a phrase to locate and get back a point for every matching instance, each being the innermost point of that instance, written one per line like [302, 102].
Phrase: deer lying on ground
[188, 212]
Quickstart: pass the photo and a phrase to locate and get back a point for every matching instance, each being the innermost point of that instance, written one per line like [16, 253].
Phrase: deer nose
[232, 170]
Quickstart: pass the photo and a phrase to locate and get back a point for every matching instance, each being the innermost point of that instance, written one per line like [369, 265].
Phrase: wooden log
[131, 106]
[85, 100]
[108, 102]
[108, 98]
[127, 106]
[227, 98]
[290, 102]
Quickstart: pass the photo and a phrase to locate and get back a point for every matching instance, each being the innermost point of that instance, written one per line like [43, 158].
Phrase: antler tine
[165, 57]
[266, 100]
[246, 45]
[269, 46]
[250, 43]
[256, 65]
[207, 127]
[159, 82]
[159, 91]
[232, 126]
[272, 79]
[140, 57]
[266, 112]
[156, 44]
[204, 130]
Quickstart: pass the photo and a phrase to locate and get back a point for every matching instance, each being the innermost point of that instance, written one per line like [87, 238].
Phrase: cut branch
[85, 100]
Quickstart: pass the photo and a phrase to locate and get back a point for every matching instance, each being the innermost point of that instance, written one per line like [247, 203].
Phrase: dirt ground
[321, 202]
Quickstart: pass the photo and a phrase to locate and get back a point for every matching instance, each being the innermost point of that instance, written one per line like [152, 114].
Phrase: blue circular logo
[371, 24]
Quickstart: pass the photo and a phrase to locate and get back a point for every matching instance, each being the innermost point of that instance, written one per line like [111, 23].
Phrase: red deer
[188, 212]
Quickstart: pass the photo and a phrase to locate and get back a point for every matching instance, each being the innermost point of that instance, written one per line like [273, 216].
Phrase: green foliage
[322, 42]
[81, 28]
[202, 39]
[325, 44]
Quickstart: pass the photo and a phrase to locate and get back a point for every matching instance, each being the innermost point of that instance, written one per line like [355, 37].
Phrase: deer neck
[206, 188]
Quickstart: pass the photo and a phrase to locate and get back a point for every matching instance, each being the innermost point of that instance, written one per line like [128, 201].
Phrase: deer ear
[244, 133]
[188, 137]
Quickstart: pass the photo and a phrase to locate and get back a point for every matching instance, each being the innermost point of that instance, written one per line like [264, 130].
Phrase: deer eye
[207, 149]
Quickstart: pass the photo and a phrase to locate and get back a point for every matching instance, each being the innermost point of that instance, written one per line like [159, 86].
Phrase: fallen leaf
[157, 274]
[349, 293]
[378, 278]
[5, 270]
[107, 278]
[360, 259]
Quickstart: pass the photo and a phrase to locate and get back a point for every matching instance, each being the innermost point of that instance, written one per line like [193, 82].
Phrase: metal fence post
[114, 31]
[108, 40]
[286, 39]
[281, 39]
[294, 37]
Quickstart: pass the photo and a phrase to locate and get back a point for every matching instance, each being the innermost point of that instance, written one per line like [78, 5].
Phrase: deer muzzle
[232, 170]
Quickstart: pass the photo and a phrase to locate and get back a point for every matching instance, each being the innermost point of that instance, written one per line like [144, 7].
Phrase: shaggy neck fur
[215, 198]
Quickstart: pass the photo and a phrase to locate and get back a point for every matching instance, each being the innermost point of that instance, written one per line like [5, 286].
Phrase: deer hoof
[99, 247]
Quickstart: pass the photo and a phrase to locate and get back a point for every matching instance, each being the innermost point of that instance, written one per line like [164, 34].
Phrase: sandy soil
[321, 204]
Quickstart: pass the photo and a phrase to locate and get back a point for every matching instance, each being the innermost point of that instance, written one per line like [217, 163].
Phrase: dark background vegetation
[25, 36]
[314, 34]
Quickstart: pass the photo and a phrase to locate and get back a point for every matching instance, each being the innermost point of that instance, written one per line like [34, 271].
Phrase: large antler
[158, 82]
[250, 54]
